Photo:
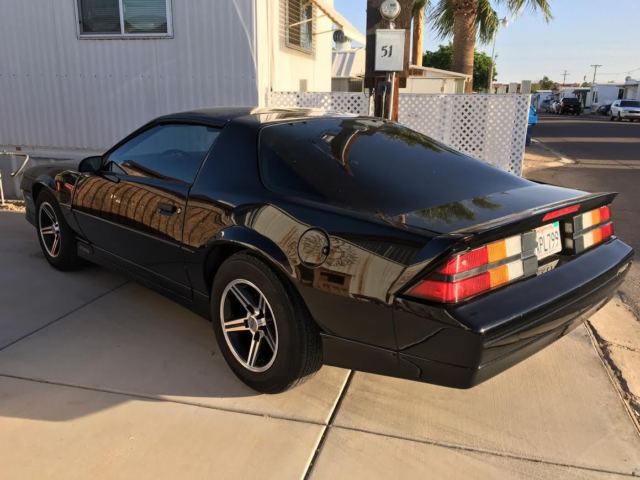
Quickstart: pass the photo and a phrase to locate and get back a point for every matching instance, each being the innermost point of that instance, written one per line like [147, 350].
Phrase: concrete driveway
[102, 378]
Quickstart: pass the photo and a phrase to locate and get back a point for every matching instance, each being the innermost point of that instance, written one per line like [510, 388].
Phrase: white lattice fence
[346, 102]
[489, 127]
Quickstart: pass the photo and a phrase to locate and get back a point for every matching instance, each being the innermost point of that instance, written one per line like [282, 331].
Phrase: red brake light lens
[451, 292]
[589, 229]
[561, 212]
[471, 273]
[605, 214]
[606, 232]
[467, 261]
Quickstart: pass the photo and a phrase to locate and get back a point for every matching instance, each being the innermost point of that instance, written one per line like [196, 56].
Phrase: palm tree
[417, 15]
[471, 20]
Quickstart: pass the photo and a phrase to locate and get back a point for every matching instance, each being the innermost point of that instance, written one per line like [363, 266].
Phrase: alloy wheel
[49, 229]
[249, 325]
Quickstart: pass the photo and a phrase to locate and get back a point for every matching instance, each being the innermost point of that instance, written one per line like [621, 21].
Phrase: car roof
[253, 115]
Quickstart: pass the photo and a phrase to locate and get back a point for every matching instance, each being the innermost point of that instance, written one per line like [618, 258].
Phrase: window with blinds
[299, 24]
[124, 17]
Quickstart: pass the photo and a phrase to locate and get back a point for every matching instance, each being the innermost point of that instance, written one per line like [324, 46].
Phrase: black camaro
[311, 238]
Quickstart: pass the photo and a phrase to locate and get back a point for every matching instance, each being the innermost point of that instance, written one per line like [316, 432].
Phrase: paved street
[102, 378]
[607, 156]
[599, 155]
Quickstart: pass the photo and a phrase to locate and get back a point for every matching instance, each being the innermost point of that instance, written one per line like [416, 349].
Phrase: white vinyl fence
[491, 128]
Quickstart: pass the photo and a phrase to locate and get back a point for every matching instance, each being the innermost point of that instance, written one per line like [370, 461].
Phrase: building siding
[59, 92]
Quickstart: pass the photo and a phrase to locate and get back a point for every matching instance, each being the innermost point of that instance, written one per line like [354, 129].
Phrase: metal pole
[595, 69]
[384, 97]
[1, 190]
[493, 56]
[392, 94]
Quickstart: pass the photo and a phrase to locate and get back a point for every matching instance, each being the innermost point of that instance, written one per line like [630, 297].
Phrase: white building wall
[632, 90]
[603, 94]
[433, 85]
[61, 92]
[282, 68]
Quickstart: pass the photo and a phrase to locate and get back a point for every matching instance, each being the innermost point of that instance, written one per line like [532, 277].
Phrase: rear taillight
[491, 266]
[588, 230]
[479, 270]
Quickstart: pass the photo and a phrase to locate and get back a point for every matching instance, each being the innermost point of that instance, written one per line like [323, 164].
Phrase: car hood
[469, 213]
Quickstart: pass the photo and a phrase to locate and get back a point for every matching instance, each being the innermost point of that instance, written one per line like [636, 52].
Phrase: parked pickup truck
[570, 106]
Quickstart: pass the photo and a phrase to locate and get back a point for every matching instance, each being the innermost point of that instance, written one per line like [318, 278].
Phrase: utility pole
[595, 69]
[564, 77]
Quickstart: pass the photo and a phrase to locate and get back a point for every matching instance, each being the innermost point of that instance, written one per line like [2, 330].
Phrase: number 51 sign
[389, 50]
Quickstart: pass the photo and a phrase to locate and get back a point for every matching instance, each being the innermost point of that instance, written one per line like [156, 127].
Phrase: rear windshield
[630, 103]
[371, 164]
[570, 100]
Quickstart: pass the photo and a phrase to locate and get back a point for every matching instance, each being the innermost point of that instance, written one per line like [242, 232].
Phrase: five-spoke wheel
[263, 329]
[49, 228]
[56, 238]
[249, 326]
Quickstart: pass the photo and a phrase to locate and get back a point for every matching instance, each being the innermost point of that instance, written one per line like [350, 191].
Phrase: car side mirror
[90, 165]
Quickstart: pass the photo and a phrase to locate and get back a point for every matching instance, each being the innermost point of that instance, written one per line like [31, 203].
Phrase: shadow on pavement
[124, 339]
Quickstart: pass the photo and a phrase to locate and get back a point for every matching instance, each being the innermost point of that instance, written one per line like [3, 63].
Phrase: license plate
[548, 240]
[547, 267]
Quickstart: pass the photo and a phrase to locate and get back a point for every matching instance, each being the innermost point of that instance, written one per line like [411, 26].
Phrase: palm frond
[487, 21]
[516, 6]
[441, 18]
[441, 15]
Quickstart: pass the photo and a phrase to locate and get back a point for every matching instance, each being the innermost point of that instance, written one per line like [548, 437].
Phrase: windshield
[371, 164]
[630, 103]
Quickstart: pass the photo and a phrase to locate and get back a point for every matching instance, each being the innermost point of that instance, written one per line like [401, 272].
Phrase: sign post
[387, 65]
[389, 58]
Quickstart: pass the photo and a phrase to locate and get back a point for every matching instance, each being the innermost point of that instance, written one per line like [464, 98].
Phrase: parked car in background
[570, 106]
[625, 109]
[604, 109]
[310, 238]
[545, 105]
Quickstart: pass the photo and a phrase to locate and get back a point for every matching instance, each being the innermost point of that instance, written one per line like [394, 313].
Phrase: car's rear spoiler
[533, 217]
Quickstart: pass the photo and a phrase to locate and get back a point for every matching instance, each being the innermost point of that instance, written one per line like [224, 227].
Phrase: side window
[173, 151]
[124, 18]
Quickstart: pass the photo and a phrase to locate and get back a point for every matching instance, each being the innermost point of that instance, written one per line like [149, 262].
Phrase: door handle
[167, 209]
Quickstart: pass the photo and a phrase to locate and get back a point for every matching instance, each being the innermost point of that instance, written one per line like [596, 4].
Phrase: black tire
[64, 254]
[298, 353]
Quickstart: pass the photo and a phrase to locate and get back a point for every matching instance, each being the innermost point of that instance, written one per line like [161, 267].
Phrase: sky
[582, 33]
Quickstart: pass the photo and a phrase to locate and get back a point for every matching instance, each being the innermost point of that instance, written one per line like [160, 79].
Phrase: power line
[619, 73]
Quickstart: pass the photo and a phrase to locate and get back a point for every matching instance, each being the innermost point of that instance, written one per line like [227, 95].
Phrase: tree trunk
[418, 33]
[464, 38]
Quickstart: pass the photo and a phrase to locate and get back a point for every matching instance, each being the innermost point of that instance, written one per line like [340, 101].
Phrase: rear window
[371, 164]
[570, 100]
[630, 103]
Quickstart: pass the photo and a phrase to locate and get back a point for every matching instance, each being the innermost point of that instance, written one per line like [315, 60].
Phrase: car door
[132, 211]
[614, 108]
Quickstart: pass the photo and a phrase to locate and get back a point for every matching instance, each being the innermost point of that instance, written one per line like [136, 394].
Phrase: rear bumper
[465, 345]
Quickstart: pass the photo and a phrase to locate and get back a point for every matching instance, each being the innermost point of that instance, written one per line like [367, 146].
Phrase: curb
[561, 158]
